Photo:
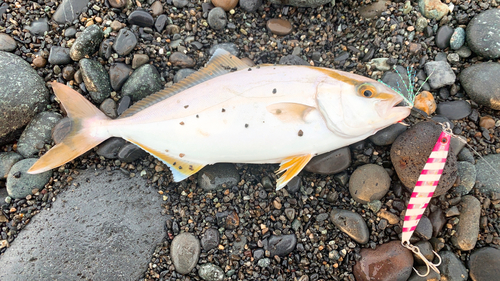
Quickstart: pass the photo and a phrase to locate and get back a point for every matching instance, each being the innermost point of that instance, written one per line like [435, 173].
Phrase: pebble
[185, 252]
[59, 55]
[397, 80]
[457, 39]
[453, 58]
[69, 10]
[481, 83]
[141, 18]
[110, 147]
[70, 32]
[226, 5]
[369, 182]
[380, 64]
[451, 267]
[250, 6]
[294, 185]
[229, 47]
[21, 184]
[7, 160]
[265, 262]
[433, 276]
[180, 3]
[454, 110]
[442, 74]
[218, 176]
[424, 228]
[388, 216]
[38, 27]
[217, 18]
[279, 26]
[484, 264]
[39, 62]
[388, 135]
[157, 8]
[425, 102]
[464, 52]
[410, 151]
[351, 224]
[118, 74]
[210, 239]
[22, 95]
[183, 73]
[143, 82]
[301, 3]
[100, 218]
[210, 272]
[293, 60]
[374, 205]
[106, 49]
[87, 43]
[118, 3]
[139, 60]
[468, 224]
[389, 261]
[452, 212]
[68, 72]
[96, 79]
[125, 42]
[421, 24]
[108, 106]
[280, 245]
[37, 133]
[467, 174]
[487, 122]
[482, 34]
[438, 220]
[443, 36]
[160, 22]
[7, 43]
[425, 248]
[373, 10]
[433, 9]
[331, 162]
[130, 152]
[181, 60]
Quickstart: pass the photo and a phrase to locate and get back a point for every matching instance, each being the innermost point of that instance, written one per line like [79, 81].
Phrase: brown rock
[226, 5]
[487, 122]
[139, 60]
[181, 60]
[468, 224]
[415, 48]
[117, 3]
[279, 26]
[390, 217]
[7, 43]
[389, 261]
[39, 62]
[425, 102]
[156, 8]
[232, 220]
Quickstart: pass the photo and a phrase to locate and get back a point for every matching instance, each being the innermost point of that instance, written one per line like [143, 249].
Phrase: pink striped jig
[422, 194]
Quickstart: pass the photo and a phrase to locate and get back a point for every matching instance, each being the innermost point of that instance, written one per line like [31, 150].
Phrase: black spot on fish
[246, 125]
[233, 69]
[223, 110]
[197, 116]
[274, 91]
[191, 167]
[175, 163]
[301, 133]
[250, 69]
[180, 167]
[186, 106]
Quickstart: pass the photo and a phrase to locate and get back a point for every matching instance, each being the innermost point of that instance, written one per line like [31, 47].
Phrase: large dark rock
[482, 34]
[481, 83]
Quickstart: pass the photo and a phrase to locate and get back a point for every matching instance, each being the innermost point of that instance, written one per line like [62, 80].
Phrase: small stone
[118, 74]
[87, 43]
[265, 262]
[116, 25]
[453, 58]
[210, 272]
[481, 83]
[380, 64]
[433, 9]
[451, 267]
[351, 224]
[139, 60]
[484, 264]
[210, 239]
[424, 228]
[454, 110]
[59, 55]
[217, 18]
[331, 162]
[250, 6]
[438, 220]
[369, 182]
[390, 217]
[70, 32]
[388, 135]
[421, 24]
[20, 184]
[486, 175]
[232, 220]
[69, 10]
[157, 8]
[106, 49]
[487, 122]
[468, 225]
[290, 213]
[160, 22]
[108, 106]
[301, 3]
[180, 3]
[118, 3]
[425, 102]
[467, 174]
[130, 152]
[226, 5]
[457, 39]
[7, 160]
[125, 42]
[141, 18]
[451, 212]
[38, 27]
[185, 252]
[482, 34]
[7, 43]
[279, 26]
[464, 52]
[96, 80]
[443, 36]
[440, 74]
[39, 62]
[181, 60]
[144, 81]
[218, 176]
[373, 10]
[110, 148]
[280, 245]
[425, 248]
[293, 60]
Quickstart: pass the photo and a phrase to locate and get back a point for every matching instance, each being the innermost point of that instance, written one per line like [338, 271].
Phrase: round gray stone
[451, 267]
[440, 74]
[230, 47]
[87, 43]
[467, 174]
[218, 176]
[250, 5]
[143, 82]
[443, 36]
[20, 184]
[488, 175]
[37, 133]
[482, 34]
[468, 224]
[369, 182]
[96, 79]
[210, 272]
[59, 55]
[217, 18]
[69, 10]
[7, 160]
[481, 83]
[280, 245]
[125, 42]
[388, 135]
[331, 162]
[185, 252]
[484, 264]
[351, 224]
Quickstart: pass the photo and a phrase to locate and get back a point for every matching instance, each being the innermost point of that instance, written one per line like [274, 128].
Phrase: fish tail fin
[85, 129]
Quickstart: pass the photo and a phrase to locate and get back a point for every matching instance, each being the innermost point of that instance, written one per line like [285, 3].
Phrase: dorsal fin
[222, 62]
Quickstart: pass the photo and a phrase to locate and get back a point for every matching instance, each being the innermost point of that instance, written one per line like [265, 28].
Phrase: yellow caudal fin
[291, 166]
[85, 130]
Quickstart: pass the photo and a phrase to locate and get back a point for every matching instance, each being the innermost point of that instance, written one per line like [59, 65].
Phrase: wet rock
[457, 39]
[118, 74]
[38, 27]
[131, 152]
[183, 73]
[217, 18]
[125, 42]
[424, 228]
[118, 3]
[70, 32]
[464, 52]
[387, 135]
[425, 102]
[250, 5]
[390, 217]
[410, 152]
[330, 162]
[226, 5]
[389, 261]
[181, 60]
[433, 276]
[22, 95]
[106, 49]
[89, 222]
[39, 62]
[20, 184]
[351, 224]
[484, 264]
[301, 3]
[279, 26]
[96, 79]
[210, 272]
[451, 267]
[123, 104]
[59, 55]
[481, 83]
[467, 174]
[454, 110]
[157, 8]
[184, 252]
[69, 10]
[229, 47]
[87, 43]
[442, 74]
[218, 176]
[108, 106]
[280, 245]
[210, 239]
[110, 147]
[369, 182]
[7, 160]
[425, 248]
[433, 9]
[139, 60]
[141, 18]
[180, 3]
[438, 220]
[482, 34]
[7, 43]
[144, 81]
[380, 64]
[160, 22]
[443, 36]
[487, 122]
[37, 133]
[468, 225]
[293, 60]
[373, 10]
[294, 185]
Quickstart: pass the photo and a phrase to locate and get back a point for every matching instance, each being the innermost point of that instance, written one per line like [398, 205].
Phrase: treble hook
[428, 263]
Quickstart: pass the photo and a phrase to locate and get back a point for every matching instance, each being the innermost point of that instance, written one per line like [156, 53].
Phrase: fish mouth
[394, 109]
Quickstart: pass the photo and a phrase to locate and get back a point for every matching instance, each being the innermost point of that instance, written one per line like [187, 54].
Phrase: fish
[231, 112]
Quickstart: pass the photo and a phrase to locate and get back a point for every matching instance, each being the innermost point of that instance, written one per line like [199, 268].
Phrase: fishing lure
[422, 194]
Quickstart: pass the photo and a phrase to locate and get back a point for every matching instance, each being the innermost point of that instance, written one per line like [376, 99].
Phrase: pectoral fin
[181, 169]
[291, 166]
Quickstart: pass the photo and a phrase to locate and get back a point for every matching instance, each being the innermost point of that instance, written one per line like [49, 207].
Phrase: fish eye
[367, 90]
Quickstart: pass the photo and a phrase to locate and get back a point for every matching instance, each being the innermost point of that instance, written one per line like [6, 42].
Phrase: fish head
[355, 106]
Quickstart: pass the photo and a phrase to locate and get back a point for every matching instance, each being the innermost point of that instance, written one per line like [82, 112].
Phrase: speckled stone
[37, 133]
[7, 160]
[433, 9]
[468, 224]
[226, 5]
[184, 252]
[125, 42]
[369, 182]
[467, 174]
[454, 110]
[351, 224]
[481, 83]
[96, 79]
[217, 18]
[482, 34]
[218, 176]
[87, 43]
[141, 18]
[280, 245]
[457, 39]
[21, 184]
[211, 272]
[144, 81]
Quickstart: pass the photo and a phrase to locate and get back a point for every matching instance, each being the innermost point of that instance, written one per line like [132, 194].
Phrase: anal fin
[291, 166]
[181, 169]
